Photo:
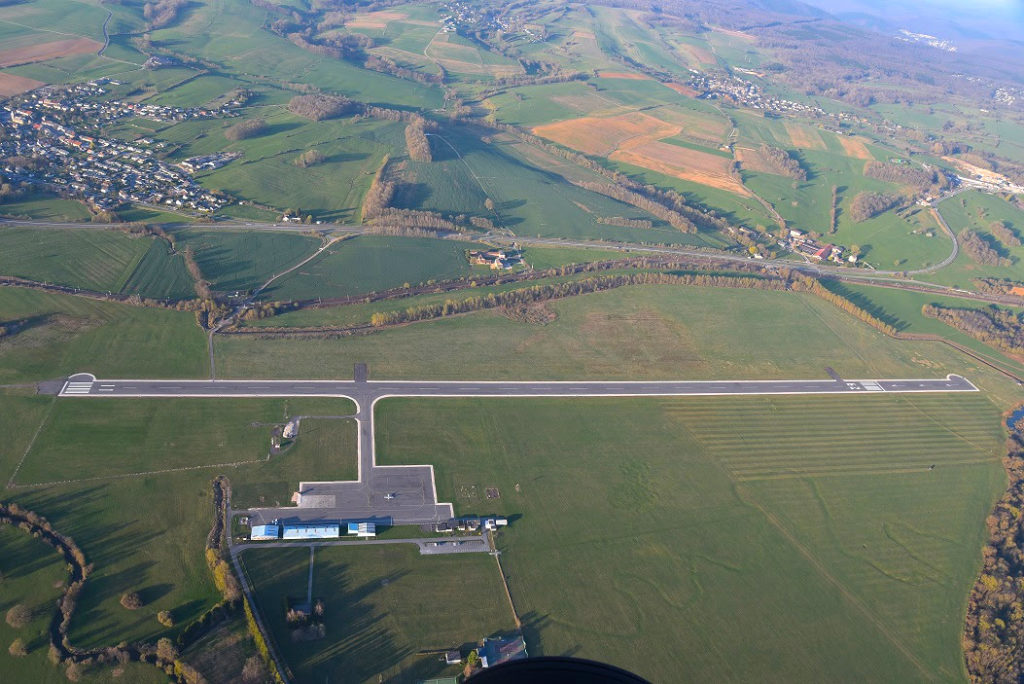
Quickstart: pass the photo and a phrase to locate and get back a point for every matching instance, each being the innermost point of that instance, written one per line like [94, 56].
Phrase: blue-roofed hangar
[317, 530]
[261, 532]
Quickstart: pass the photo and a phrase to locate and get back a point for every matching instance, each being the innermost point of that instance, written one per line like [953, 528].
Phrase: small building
[313, 530]
[263, 532]
[362, 529]
[823, 253]
[452, 658]
[501, 650]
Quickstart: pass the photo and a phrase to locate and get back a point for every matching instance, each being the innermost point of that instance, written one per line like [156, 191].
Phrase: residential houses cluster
[55, 130]
[747, 94]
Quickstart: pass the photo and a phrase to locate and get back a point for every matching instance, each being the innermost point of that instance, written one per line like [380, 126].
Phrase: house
[501, 650]
[823, 253]
[262, 532]
[497, 259]
[452, 658]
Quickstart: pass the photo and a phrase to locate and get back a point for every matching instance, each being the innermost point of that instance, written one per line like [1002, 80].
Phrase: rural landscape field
[386, 341]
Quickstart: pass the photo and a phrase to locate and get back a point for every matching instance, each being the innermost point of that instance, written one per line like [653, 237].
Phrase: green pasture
[372, 263]
[650, 332]
[43, 207]
[58, 335]
[661, 534]
[902, 309]
[91, 259]
[244, 260]
[975, 210]
[528, 199]
[35, 575]
[266, 172]
[383, 604]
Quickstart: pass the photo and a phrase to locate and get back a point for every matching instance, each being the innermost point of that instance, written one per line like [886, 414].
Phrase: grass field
[244, 260]
[266, 172]
[41, 207]
[658, 332]
[383, 604]
[976, 211]
[35, 576]
[727, 539]
[90, 259]
[155, 548]
[528, 199]
[62, 335]
[903, 309]
[371, 263]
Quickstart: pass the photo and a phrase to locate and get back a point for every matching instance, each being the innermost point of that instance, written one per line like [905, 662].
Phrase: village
[50, 141]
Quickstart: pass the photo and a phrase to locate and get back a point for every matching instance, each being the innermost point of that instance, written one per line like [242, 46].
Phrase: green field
[35, 575]
[61, 334]
[91, 259]
[903, 310]
[975, 211]
[266, 172]
[373, 263]
[99, 260]
[528, 200]
[656, 332]
[244, 260]
[138, 499]
[383, 604]
[40, 207]
[660, 535]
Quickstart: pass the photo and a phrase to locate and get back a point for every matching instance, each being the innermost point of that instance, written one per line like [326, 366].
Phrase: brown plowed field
[625, 75]
[854, 147]
[44, 51]
[682, 89]
[751, 160]
[375, 20]
[601, 137]
[804, 138]
[12, 85]
[684, 163]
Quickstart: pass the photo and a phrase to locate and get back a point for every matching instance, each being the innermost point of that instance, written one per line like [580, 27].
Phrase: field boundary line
[846, 593]
[31, 443]
[121, 476]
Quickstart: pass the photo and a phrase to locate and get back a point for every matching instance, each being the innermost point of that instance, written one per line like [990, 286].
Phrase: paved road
[428, 546]
[402, 495]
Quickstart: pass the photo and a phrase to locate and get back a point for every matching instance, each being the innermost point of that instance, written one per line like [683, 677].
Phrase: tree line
[902, 174]
[1000, 328]
[250, 128]
[980, 250]
[416, 141]
[782, 162]
[1002, 231]
[993, 639]
[867, 205]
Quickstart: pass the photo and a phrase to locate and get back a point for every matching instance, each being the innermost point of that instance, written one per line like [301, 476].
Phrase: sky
[950, 19]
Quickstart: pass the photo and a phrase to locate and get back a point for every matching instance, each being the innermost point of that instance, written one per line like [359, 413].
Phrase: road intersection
[403, 495]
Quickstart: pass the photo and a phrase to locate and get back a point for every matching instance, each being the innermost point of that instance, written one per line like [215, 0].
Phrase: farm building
[260, 532]
[363, 529]
[497, 651]
[316, 530]
[497, 259]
